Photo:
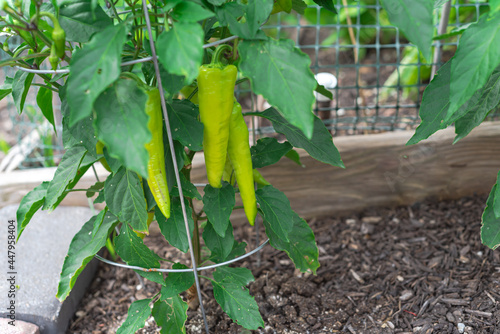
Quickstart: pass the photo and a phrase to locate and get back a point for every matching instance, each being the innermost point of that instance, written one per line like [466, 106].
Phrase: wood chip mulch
[418, 269]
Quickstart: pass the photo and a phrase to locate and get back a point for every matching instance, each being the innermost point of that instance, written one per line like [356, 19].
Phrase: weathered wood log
[380, 171]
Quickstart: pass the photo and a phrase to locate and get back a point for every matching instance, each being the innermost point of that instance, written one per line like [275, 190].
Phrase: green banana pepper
[241, 159]
[157, 176]
[215, 94]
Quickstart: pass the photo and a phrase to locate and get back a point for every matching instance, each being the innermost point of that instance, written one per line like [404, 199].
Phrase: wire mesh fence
[377, 83]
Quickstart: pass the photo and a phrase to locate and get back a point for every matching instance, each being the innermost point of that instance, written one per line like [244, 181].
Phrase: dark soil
[418, 269]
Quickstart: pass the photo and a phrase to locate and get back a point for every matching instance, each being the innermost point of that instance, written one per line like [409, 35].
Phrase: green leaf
[188, 189]
[171, 315]
[482, 102]
[180, 50]
[65, 174]
[323, 91]
[176, 283]
[299, 6]
[477, 56]
[96, 187]
[301, 248]
[169, 5]
[80, 21]
[20, 88]
[435, 103]
[174, 229]
[172, 83]
[280, 72]
[218, 203]
[276, 211]
[494, 5]
[490, 224]
[496, 206]
[29, 205]
[114, 164]
[190, 12]
[81, 251]
[82, 132]
[414, 19]
[239, 248]
[93, 68]
[150, 200]
[256, 12]
[327, 4]
[294, 156]
[183, 117]
[5, 90]
[220, 247]
[125, 198]
[169, 164]
[138, 313]
[239, 275]
[237, 303]
[44, 102]
[122, 124]
[132, 250]
[216, 2]
[98, 221]
[268, 151]
[320, 146]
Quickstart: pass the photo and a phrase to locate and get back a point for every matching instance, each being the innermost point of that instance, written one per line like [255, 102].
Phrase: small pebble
[461, 327]
[407, 294]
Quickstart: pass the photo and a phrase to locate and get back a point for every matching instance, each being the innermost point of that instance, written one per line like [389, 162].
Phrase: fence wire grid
[380, 76]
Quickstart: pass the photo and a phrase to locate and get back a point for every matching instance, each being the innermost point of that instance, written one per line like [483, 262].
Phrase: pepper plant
[112, 113]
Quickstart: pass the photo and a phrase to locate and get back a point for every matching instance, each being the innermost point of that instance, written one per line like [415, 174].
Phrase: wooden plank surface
[380, 171]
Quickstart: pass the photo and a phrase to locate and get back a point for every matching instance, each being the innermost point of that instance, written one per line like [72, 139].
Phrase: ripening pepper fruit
[99, 148]
[215, 94]
[58, 34]
[59, 39]
[53, 58]
[241, 160]
[157, 176]
[259, 179]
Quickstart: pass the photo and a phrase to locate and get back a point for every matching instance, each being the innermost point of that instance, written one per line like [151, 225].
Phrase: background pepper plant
[111, 113]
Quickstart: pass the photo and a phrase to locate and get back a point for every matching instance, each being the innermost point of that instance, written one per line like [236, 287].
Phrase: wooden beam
[380, 171]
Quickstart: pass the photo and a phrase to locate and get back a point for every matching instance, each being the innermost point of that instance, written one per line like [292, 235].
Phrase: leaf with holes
[138, 313]
[186, 128]
[93, 68]
[237, 303]
[122, 124]
[171, 315]
[301, 248]
[176, 283]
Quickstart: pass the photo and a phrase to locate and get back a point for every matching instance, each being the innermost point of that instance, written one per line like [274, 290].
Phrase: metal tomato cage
[337, 121]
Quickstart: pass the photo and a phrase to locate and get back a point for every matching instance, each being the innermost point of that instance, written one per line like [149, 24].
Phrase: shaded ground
[419, 269]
